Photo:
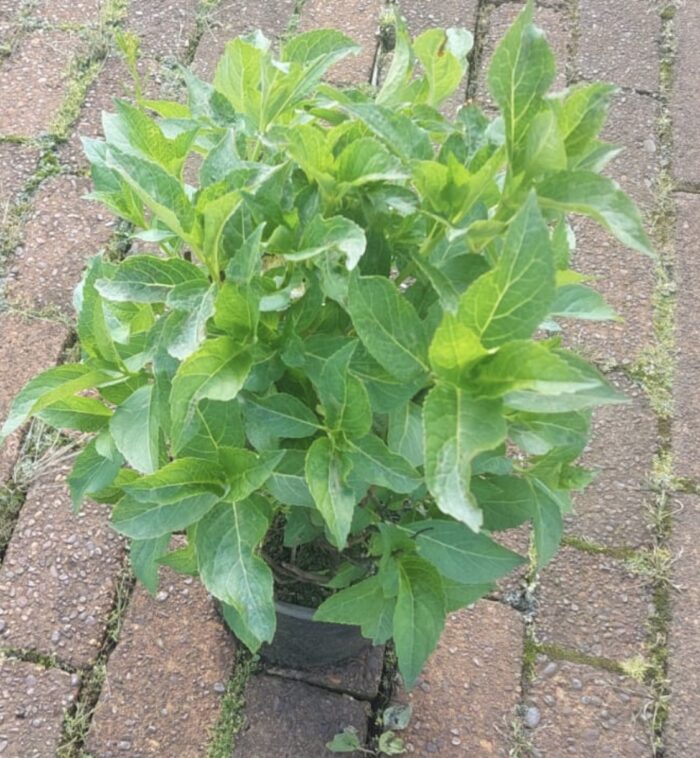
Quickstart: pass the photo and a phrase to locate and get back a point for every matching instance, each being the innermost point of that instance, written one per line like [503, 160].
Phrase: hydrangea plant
[350, 335]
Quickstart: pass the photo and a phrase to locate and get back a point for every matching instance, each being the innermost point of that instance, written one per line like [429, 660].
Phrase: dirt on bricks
[542, 676]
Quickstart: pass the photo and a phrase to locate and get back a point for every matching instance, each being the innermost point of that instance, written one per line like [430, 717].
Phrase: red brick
[17, 164]
[613, 510]
[62, 233]
[58, 579]
[683, 729]
[359, 19]
[685, 105]
[80, 12]
[619, 43]
[164, 679]
[686, 420]
[587, 712]
[426, 14]
[33, 82]
[33, 702]
[287, 719]
[225, 22]
[593, 604]
[164, 27]
[20, 360]
[466, 698]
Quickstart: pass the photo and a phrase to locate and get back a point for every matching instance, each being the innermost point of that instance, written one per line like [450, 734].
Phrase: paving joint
[76, 720]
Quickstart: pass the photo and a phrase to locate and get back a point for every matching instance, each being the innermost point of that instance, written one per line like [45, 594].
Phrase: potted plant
[342, 374]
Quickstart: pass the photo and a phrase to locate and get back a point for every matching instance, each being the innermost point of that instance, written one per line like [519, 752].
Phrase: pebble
[219, 687]
[532, 717]
[124, 745]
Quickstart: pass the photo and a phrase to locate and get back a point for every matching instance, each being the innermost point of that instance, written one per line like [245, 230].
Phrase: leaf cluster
[339, 328]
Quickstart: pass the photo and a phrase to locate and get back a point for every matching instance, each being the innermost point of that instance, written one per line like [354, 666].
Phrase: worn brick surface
[626, 280]
[359, 19]
[226, 22]
[587, 712]
[19, 361]
[632, 124]
[685, 105]
[683, 729]
[38, 65]
[33, 701]
[164, 27]
[553, 21]
[465, 700]
[113, 81]
[69, 11]
[612, 511]
[58, 579]
[686, 422]
[593, 604]
[287, 719]
[63, 232]
[165, 678]
[620, 44]
[358, 676]
[425, 14]
[17, 164]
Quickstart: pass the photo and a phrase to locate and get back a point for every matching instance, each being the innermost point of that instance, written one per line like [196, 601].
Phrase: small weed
[232, 713]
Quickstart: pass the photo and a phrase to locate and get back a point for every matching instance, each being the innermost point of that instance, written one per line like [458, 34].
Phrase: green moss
[560, 653]
[232, 713]
[585, 546]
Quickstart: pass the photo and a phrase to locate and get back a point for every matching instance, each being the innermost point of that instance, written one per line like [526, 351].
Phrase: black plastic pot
[303, 643]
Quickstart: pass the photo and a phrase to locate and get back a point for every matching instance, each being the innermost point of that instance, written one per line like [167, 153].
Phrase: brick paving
[545, 679]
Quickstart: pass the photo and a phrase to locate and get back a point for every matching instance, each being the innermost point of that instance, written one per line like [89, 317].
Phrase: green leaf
[521, 71]
[144, 560]
[460, 554]
[281, 415]
[194, 302]
[346, 741]
[365, 161]
[343, 396]
[600, 198]
[419, 616]
[582, 114]
[547, 521]
[238, 626]
[361, 604]
[237, 312]
[214, 424]
[459, 595]
[83, 414]
[91, 473]
[456, 428]
[217, 371]
[443, 55]
[227, 541]
[405, 433]
[242, 75]
[373, 463]
[326, 476]
[388, 326]
[161, 192]
[579, 301]
[183, 560]
[505, 500]
[147, 279]
[453, 348]
[287, 484]
[335, 234]
[135, 428]
[538, 434]
[533, 377]
[385, 391]
[510, 301]
[49, 387]
[245, 471]
[178, 495]
[545, 150]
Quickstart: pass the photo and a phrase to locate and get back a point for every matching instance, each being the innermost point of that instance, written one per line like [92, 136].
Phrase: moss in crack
[76, 721]
[34, 656]
[586, 546]
[232, 713]
[560, 653]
